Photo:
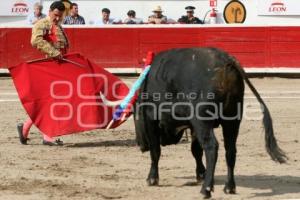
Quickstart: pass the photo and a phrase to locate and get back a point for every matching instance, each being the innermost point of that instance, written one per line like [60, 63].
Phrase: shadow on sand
[278, 185]
[107, 143]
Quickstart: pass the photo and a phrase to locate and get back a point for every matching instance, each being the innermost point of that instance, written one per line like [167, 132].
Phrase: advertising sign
[278, 7]
[17, 7]
[234, 12]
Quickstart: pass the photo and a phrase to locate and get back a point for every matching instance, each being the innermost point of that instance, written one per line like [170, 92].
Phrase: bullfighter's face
[55, 16]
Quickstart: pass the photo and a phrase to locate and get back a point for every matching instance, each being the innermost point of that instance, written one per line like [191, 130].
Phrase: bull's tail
[270, 141]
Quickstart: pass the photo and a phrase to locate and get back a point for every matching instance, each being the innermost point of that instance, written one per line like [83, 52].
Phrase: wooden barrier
[125, 47]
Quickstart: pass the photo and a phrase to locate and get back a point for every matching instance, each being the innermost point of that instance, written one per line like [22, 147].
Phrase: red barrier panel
[121, 47]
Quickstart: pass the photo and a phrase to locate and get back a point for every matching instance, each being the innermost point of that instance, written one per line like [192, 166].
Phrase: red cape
[63, 98]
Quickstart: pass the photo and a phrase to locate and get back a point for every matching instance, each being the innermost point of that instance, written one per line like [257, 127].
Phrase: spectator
[132, 19]
[37, 14]
[157, 18]
[189, 18]
[106, 18]
[74, 17]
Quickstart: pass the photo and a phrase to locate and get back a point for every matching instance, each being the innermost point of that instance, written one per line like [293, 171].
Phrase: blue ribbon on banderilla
[127, 100]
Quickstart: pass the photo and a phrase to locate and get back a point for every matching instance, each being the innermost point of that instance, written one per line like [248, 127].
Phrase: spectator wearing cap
[131, 19]
[189, 18]
[37, 14]
[74, 17]
[157, 17]
[106, 19]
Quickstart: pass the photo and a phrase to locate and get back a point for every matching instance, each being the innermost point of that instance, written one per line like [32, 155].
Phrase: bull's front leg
[153, 177]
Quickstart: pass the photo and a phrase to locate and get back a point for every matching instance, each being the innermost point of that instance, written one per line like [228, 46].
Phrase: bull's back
[195, 70]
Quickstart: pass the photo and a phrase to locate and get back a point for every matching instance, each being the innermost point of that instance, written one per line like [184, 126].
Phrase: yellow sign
[234, 12]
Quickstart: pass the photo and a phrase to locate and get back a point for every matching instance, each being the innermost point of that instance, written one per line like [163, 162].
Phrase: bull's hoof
[229, 190]
[152, 181]
[206, 192]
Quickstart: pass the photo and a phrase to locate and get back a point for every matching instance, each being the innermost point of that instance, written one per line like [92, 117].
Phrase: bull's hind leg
[230, 133]
[208, 141]
[197, 152]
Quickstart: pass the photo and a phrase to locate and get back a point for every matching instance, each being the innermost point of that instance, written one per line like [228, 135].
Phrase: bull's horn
[108, 102]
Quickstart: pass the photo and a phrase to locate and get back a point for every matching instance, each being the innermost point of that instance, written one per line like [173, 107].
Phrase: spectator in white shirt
[106, 18]
[132, 19]
[37, 14]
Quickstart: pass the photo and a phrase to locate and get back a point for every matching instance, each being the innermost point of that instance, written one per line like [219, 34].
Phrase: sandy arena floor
[108, 165]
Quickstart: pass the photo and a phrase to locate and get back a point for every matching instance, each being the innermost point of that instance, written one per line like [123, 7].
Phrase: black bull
[199, 89]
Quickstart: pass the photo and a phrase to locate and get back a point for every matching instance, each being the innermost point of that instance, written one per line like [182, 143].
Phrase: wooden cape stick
[72, 62]
[39, 60]
[48, 59]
